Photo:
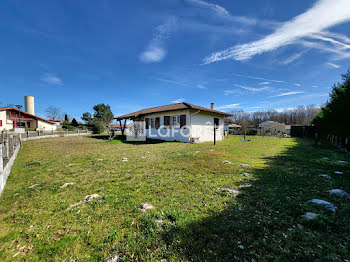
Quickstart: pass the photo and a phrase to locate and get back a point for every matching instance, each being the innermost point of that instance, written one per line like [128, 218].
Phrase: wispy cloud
[179, 100]
[52, 79]
[293, 57]
[155, 51]
[332, 65]
[170, 81]
[268, 80]
[289, 93]
[223, 13]
[253, 89]
[230, 106]
[202, 86]
[264, 83]
[305, 25]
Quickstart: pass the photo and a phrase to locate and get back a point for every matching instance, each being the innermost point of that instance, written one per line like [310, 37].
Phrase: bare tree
[53, 113]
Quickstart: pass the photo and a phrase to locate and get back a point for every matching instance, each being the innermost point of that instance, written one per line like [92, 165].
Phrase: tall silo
[29, 104]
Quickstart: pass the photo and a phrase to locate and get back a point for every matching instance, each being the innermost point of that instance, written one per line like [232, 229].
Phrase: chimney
[211, 105]
[29, 104]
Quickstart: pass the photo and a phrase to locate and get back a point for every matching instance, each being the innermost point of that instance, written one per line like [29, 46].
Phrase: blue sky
[249, 55]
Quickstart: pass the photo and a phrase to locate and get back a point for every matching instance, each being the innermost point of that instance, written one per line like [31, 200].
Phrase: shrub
[97, 128]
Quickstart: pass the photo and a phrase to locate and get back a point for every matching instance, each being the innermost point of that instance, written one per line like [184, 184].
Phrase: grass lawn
[192, 219]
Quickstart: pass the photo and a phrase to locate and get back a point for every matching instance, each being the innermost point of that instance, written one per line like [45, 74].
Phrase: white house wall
[174, 133]
[45, 126]
[6, 124]
[199, 125]
[202, 126]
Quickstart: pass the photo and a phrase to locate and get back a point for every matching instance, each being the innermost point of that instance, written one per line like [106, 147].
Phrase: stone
[145, 207]
[227, 162]
[32, 164]
[124, 159]
[89, 198]
[325, 176]
[160, 223]
[309, 216]
[325, 204]
[198, 152]
[338, 173]
[98, 160]
[143, 157]
[245, 185]
[211, 150]
[340, 193]
[66, 184]
[32, 186]
[74, 205]
[342, 162]
[246, 174]
[233, 191]
[70, 165]
[244, 165]
[113, 258]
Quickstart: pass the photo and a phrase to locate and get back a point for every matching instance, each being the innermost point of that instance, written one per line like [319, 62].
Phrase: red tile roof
[172, 107]
[25, 113]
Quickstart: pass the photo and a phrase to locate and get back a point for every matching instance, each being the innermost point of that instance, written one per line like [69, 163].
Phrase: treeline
[334, 118]
[302, 115]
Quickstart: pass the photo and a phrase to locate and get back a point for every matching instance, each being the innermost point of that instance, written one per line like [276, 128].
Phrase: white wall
[203, 126]
[6, 124]
[199, 125]
[46, 126]
[174, 133]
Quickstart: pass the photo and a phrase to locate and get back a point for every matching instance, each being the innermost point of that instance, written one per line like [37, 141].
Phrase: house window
[216, 121]
[175, 121]
[152, 122]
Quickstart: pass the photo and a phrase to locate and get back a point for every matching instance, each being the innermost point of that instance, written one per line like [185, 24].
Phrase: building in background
[12, 118]
[274, 128]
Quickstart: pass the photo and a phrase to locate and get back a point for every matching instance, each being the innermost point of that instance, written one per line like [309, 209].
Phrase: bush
[97, 128]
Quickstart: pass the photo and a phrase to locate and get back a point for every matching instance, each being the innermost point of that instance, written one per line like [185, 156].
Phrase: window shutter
[157, 122]
[166, 120]
[182, 120]
[0, 122]
[146, 120]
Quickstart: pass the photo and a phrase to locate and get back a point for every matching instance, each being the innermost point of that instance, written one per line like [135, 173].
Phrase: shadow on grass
[264, 222]
[122, 139]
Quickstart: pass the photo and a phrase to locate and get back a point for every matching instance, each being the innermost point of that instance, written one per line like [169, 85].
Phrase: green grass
[198, 222]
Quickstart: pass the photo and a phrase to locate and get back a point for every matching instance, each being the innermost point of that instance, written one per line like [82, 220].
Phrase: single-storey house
[274, 128]
[183, 122]
[11, 118]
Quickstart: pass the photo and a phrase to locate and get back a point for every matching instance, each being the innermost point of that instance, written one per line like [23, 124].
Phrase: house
[232, 128]
[117, 127]
[12, 118]
[273, 128]
[183, 122]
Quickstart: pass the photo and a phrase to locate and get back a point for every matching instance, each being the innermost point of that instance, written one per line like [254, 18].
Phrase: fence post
[7, 148]
[1, 159]
[78, 131]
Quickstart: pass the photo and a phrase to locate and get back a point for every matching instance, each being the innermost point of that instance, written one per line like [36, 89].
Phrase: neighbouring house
[12, 118]
[274, 128]
[232, 128]
[117, 127]
[183, 122]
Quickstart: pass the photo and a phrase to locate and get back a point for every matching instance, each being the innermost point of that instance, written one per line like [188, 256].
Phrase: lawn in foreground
[191, 219]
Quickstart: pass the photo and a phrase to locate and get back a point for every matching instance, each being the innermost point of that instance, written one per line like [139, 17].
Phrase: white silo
[29, 104]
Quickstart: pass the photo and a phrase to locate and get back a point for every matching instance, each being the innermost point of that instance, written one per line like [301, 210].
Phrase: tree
[103, 114]
[53, 113]
[87, 118]
[66, 119]
[74, 122]
[332, 118]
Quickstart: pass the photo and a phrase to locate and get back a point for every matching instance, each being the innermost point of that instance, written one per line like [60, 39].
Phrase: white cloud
[179, 100]
[314, 86]
[289, 93]
[254, 89]
[332, 65]
[293, 57]
[264, 83]
[155, 51]
[230, 106]
[52, 79]
[324, 14]
[269, 80]
[223, 13]
[170, 81]
[201, 86]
